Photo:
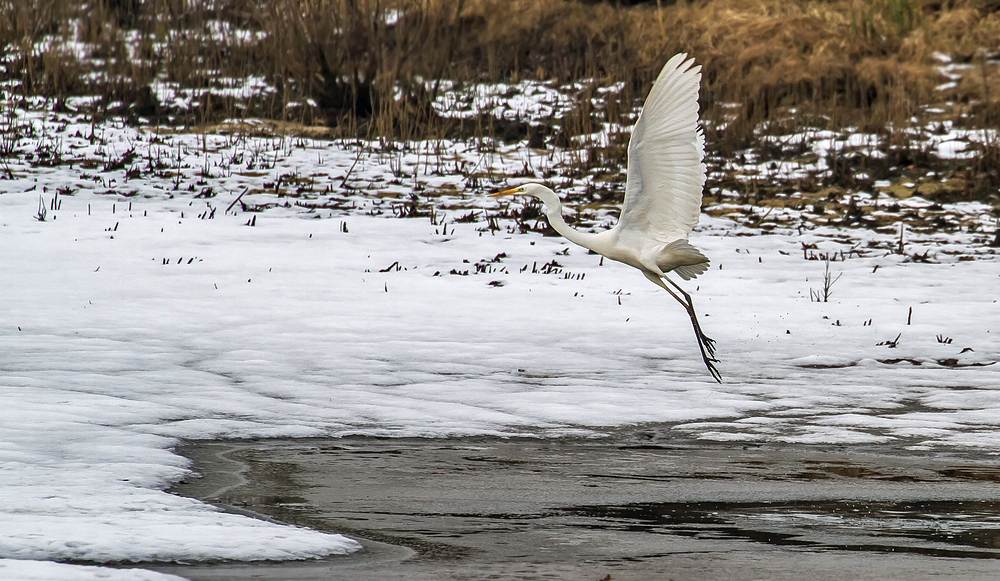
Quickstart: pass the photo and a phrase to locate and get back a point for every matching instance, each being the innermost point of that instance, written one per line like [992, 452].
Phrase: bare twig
[245, 190]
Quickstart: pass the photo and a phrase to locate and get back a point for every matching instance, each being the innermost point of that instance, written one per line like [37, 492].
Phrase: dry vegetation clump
[375, 68]
[865, 62]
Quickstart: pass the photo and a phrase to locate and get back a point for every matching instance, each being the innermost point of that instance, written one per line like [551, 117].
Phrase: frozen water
[129, 323]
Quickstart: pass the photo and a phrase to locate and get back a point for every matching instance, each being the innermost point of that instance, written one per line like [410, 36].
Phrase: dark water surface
[632, 506]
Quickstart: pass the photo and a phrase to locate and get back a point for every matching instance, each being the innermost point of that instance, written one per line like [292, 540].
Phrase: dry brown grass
[859, 63]
[862, 63]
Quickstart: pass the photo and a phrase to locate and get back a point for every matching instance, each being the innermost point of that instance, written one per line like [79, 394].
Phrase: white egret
[662, 193]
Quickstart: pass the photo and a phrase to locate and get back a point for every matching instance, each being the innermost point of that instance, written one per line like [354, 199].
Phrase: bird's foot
[706, 343]
[710, 363]
[709, 344]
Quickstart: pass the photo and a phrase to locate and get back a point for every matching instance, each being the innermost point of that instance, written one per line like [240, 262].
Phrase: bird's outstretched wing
[665, 171]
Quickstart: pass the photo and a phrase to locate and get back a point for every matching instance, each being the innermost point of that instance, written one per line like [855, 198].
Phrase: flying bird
[662, 193]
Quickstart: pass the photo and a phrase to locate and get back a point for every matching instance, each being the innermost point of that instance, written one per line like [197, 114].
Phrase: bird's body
[628, 245]
[662, 193]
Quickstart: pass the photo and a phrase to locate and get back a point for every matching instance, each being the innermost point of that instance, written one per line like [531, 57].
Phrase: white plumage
[662, 193]
[665, 171]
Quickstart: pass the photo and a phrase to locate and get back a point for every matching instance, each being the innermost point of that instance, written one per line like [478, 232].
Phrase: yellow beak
[510, 192]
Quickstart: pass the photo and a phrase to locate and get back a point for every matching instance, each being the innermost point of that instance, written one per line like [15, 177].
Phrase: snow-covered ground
[141, 312]
[27, 570]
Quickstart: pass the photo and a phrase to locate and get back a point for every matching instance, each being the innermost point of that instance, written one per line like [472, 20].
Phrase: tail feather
[685, 260]
[691, 271]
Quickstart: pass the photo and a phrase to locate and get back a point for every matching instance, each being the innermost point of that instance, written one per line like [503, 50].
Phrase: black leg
[689, 305]
[705, 344]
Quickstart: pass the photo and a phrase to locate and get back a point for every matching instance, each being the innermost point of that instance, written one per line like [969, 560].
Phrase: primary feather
[665, 171]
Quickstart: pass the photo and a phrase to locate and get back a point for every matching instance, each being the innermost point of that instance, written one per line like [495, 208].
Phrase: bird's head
[539, 191]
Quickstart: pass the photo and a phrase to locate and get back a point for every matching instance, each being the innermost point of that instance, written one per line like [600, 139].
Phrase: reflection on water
[936, 528]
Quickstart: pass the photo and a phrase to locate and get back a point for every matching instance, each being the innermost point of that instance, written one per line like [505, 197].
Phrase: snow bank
[18, 570]
[129, 323]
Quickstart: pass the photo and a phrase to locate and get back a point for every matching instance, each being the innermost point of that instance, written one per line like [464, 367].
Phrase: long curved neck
[554, 214]
[553, 211]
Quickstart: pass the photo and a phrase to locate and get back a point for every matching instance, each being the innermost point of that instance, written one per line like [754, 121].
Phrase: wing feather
[665, 169]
